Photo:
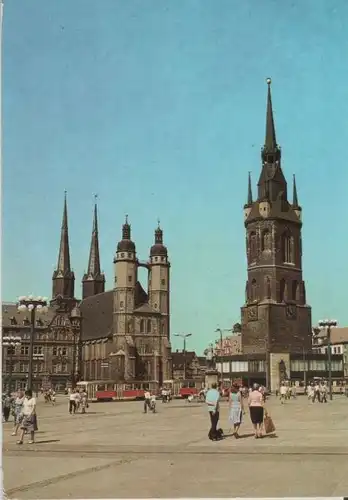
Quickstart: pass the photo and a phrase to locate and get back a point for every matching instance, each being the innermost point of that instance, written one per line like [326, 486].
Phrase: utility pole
[184, 336]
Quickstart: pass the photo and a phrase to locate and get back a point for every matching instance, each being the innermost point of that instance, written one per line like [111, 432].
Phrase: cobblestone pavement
[117, 451]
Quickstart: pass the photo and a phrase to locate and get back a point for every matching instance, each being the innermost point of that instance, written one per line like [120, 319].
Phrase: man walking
[212, 399]
[147, 402]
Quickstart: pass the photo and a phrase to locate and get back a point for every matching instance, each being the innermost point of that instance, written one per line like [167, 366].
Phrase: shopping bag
[268, 425]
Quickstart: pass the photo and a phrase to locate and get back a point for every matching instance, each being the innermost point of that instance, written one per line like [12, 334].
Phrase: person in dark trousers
[212, 400]
[6, 407]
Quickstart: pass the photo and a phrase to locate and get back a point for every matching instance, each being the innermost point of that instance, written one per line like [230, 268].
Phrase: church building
[125, 331]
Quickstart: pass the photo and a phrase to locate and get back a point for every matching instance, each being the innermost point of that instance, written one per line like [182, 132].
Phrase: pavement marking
[69, 475]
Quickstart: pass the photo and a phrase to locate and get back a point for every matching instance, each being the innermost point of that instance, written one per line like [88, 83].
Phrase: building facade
[187, 366]
[275, 316]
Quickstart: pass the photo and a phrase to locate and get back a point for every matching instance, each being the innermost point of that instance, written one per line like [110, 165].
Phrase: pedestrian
[212, 399]
[28, 417]
[147, 401]
[283, 393]
[236, 409]
[72, 402]
[316, 395]
[256, 409]
[6, 406]
[323, 392]
[18, 406]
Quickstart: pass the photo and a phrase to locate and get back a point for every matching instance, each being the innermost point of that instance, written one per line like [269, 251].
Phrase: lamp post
[38, 357]
[328, 324]
[304, 360]
[184, 336]
[75, 320]
[32, 304]
[11, 342]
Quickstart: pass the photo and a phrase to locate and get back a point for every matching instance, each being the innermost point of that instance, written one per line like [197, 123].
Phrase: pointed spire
[158, 249]
[63, 265]
[294, 196]
[250, 192]
[126, 230]
[94, 258]
[270, 139]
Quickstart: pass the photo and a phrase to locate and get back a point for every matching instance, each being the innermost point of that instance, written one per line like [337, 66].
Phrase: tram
[98, 391]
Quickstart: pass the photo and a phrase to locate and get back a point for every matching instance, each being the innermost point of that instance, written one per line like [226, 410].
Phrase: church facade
[275, 317]
[125, 331]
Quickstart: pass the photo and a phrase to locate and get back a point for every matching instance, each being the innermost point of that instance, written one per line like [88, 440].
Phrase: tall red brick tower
[275, 317]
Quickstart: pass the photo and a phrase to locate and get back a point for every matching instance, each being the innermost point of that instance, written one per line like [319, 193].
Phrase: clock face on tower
[291, 311]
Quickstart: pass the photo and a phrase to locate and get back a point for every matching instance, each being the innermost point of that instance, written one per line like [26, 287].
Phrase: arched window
[282, 287]
[287, 247]
[294, 287]
[142, 326]
[253, 290]
[266, 240]
[252, 247]
[149, 326]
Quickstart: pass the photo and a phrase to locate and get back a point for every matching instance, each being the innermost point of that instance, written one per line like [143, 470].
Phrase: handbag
[268, 424]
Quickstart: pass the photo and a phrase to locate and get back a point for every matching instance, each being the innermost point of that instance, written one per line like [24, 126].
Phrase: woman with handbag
[256, 409]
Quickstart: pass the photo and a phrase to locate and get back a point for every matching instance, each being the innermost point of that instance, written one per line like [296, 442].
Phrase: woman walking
[29, 417]
[236, 409]
[256, 409]
[18, 405]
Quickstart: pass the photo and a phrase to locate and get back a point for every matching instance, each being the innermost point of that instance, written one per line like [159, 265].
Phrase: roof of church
[146, 309]
[97, 315]
[97, 312]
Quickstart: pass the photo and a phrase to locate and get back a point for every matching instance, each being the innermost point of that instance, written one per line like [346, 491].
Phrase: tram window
[191, 384]
[110, 387]
[127, 387]
[146, 387]
[100, 387]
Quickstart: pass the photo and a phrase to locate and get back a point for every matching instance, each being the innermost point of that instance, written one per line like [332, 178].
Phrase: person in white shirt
[28, 417]
[316, 392]
[74, 400]
[147, 401]
[153, 403]
[283, 392]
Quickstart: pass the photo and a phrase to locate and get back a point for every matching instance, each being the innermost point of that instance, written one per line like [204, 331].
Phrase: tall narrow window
[149, 326]
[287, 246]
[282, 286]
[142, 326]
[252, 247]
[266, 240]
[294, 287]
[253, 290]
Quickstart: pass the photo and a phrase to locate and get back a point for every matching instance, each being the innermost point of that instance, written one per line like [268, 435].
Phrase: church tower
[275, 316]
[93, 281]
[63, 279]
[159, 281]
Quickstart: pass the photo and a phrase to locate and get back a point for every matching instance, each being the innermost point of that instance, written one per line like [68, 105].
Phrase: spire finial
[270, 140]
[158, 234]
[294, 195]
[250, 192]
[126, 230]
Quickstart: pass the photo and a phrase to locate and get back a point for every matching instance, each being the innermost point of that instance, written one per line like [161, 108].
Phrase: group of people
[255, 401]
[77, 401]
[317, 391]
[23, 409]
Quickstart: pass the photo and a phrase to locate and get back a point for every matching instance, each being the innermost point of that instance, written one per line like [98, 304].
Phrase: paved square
[117, 451]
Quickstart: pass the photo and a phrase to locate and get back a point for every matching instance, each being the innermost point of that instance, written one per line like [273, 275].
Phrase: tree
[237, 328]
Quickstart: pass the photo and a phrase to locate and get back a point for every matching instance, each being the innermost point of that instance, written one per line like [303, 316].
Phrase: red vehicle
[184, 388]
[98, 391]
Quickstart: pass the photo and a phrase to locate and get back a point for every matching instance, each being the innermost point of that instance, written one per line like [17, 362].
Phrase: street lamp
[11, 342]
[184, 336]
[328, 324]
[32, 304]
[75, 320]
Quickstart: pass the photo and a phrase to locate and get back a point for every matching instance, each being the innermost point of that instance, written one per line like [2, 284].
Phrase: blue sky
[159, 107]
